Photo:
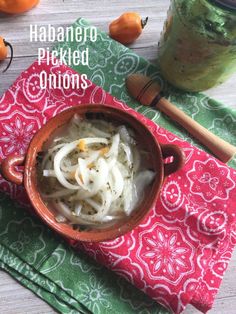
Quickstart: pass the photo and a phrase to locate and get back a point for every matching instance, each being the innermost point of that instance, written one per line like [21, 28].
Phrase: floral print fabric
[194, 216]
[184, 242]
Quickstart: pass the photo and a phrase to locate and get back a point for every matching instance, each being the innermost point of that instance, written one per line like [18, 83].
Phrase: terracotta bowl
[158, 152]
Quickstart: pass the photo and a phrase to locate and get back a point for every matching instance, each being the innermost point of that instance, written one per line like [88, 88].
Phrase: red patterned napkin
[179, 253]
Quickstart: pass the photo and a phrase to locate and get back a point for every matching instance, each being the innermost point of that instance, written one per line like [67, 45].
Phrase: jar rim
[227, 4]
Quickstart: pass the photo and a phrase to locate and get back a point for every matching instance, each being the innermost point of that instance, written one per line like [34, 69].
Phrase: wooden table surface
[14, 299]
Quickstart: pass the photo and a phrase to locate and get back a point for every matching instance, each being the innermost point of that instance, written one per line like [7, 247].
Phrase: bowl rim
[30, 181]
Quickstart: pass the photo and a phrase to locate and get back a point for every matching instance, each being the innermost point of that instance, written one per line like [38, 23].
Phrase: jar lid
[230, 4]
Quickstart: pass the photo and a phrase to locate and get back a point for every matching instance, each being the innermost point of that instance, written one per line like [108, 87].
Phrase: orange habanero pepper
[127, 28]
[3, 51]
[17, 6]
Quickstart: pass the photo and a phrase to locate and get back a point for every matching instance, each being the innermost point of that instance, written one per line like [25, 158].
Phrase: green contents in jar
[197, 49]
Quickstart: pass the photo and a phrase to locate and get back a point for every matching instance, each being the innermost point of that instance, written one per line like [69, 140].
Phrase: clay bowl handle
[174, 151]
[9, 171]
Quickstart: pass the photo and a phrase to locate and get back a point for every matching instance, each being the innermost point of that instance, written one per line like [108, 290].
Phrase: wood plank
[13, 295]
[15, 299]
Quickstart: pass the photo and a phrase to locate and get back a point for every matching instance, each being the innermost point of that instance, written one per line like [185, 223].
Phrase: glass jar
[197, 49]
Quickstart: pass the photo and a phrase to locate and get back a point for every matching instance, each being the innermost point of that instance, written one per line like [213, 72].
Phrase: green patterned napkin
[69, 281]
[41, 261]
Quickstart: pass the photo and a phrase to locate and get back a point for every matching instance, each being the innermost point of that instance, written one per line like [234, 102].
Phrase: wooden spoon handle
[220, 148]
[148, 93]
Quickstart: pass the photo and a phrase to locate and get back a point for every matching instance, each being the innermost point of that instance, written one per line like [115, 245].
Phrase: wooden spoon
[148, 93]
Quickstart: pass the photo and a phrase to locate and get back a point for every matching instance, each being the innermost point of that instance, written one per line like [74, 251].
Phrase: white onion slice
[114, 146]
[100, 132]
[127, 197]
[65, 150]
[98, 186]
[59, 218]
[102, 209]
[118, 183]
[78, 209]
[83, 171]
[128, 154]
[64, 210]
[94, 140]
[82, 195]
[99, 176]
[125, 136]
[92, 157]
[49, 173]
